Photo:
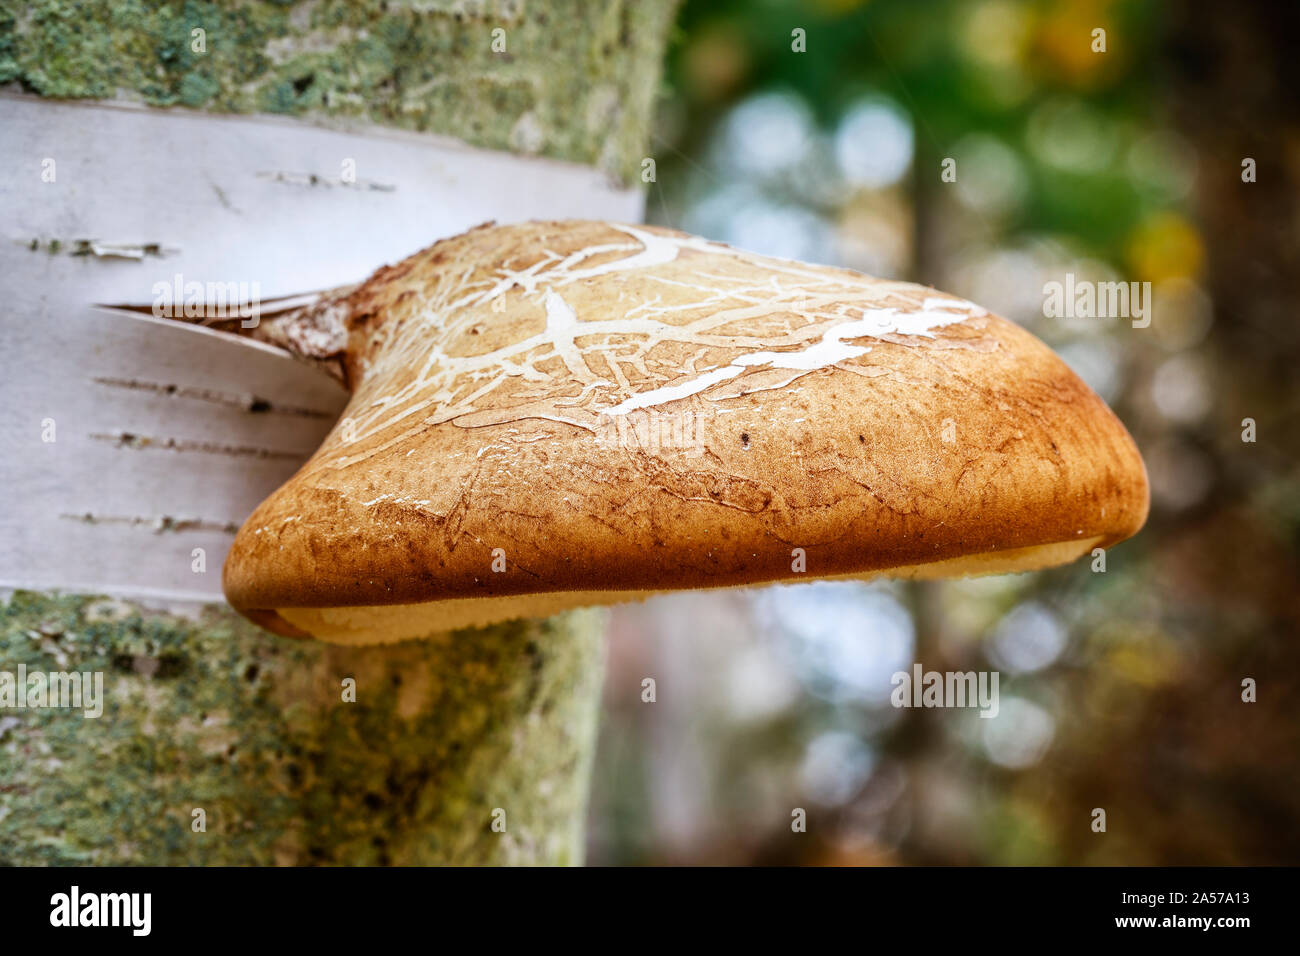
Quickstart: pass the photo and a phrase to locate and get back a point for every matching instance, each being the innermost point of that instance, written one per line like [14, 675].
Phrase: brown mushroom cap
[563, 413]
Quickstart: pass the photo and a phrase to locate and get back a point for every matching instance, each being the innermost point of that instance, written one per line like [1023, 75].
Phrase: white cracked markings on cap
[830, 349]
[414, 382]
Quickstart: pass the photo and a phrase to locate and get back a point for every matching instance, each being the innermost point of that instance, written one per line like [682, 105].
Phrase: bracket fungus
[558, 414]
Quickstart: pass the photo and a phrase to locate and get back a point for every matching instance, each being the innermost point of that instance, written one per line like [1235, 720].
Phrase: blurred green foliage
[1121, 690]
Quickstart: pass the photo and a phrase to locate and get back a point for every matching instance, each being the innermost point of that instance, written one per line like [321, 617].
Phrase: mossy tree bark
[570, 79]
[474, 747]
[221, 744]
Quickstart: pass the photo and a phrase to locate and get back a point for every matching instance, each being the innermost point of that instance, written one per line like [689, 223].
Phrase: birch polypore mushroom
[559, 414]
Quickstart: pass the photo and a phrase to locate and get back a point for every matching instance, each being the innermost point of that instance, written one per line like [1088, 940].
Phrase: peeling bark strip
[255, 732]
[575, 81]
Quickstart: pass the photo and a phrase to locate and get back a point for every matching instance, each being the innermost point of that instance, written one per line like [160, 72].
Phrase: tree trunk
[219, 743]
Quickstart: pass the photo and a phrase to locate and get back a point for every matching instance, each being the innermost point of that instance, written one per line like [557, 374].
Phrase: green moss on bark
[575, 80]
[253, 729]
[218, 715]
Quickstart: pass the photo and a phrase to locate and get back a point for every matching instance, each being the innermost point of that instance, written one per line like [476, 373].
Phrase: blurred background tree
[1120, 690]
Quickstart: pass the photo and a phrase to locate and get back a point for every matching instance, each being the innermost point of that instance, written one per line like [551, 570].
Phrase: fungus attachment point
[545, 415]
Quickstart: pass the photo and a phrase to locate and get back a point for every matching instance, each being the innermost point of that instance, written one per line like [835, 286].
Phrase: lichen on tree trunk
[473, 747]
[570, 79]
[252, 728]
